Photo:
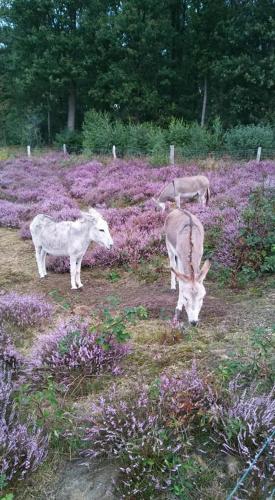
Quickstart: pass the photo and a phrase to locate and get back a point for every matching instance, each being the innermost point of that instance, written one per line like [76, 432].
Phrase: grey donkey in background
[187, 188]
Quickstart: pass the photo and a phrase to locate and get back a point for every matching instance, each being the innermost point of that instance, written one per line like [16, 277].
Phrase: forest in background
[138, 60]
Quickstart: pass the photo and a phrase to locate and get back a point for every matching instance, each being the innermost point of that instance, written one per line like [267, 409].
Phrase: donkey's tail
[207, 195]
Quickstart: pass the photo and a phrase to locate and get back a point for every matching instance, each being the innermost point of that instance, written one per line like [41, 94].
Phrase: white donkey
[68, 238]
[184, 240]
[187, 188]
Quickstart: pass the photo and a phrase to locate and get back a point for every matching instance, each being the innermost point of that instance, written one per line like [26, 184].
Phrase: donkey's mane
[190, 224]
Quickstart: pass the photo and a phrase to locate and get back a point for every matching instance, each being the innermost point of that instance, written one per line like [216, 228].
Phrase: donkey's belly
[189, 195]
[54, 247]
[59, 252]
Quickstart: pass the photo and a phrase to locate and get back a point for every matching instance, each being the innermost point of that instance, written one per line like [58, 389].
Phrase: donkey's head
[98, 228]
[159, 204]
[192, 292]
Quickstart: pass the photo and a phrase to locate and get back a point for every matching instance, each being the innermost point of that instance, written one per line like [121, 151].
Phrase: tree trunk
[71, 109]
[49, 127]
[203, 111]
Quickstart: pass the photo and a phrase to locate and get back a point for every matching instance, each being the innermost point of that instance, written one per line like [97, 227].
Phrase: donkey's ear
[180, 276]
[87, 216]
[204, 270]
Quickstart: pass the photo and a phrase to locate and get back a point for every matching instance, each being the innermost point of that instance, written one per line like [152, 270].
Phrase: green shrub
[190, 139]
[178, 132]
[216, 136]
[72, 139]
[23, 128]
[140, 138]
[255, 250]
[249, 137]
[158, 147]
[119, 137]
[97, 132]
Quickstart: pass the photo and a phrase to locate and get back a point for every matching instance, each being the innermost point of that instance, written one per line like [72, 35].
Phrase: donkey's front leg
[176, 320]
[177, 199]
[202, 199]
[73, 272]
[78, 269]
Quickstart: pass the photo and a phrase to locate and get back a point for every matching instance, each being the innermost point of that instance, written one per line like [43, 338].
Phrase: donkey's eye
[102, 230]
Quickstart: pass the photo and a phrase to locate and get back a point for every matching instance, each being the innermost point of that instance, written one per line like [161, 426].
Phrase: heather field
[100, 395]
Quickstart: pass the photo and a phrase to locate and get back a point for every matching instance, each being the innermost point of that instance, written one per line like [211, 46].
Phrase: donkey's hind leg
[38, 252]
[43, 261]
[173, 263]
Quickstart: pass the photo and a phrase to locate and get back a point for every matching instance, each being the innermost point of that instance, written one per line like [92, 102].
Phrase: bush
[97, 132]
[248, 137]
[145, 431]
[191, 139]
[254, 251]
[73, 349]
[72, 139]
[23, 446]
[243, 423]
[24, 310]
[140, 138]
[23, 128]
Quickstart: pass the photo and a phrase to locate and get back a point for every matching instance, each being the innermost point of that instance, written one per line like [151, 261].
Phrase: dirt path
[18, 272]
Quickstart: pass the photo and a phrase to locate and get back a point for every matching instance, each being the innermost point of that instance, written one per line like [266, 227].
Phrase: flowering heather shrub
[132, 432]
[185, 395]
[244, 423]
[23, 446]
[8, 353]
[13, 214]
[145, 431]
[123, 190]
[24, 310]
[72, 348]
[35, 186]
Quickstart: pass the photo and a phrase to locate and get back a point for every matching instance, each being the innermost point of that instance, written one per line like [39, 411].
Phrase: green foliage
[211, 239]
[9, 496]
[248, 137]
[3, 482]
[256, 362]
[191, 139]
[49, 409]
[141, 62]
[100, 134]
[117, 325]
[59, 299]
[255, 251]
[192, 477]
[72, 139]
[113, 276]
[140, 138]
[97, 132]
[23, 128]
[216, 140]
[65, 344]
